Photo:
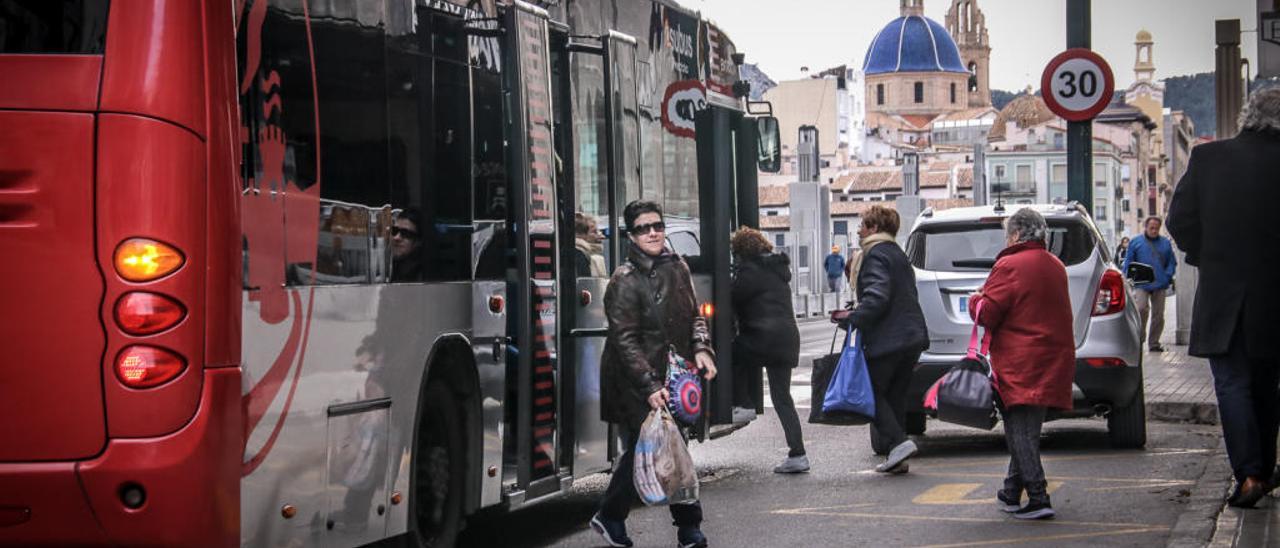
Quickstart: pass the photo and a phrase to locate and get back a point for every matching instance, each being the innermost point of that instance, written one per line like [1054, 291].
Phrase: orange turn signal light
[142, 313]
[143, 260]
[147, 366]
[707, 310]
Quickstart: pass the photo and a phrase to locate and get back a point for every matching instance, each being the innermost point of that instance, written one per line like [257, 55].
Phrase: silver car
[953, 251]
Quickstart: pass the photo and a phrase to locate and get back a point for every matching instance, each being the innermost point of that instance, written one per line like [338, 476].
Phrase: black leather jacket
[634, 363]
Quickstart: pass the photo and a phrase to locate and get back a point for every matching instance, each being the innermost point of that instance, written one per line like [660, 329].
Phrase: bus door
[535, 307]
[732, 146]
[606, 166]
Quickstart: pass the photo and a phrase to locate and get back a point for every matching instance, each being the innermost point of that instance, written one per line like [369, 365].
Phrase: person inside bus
[588, 247]
[650, 305]
[406, 246]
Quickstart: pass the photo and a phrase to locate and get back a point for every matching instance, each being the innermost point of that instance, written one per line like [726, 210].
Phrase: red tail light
[1110, 298]
[147, 366]
[141, 313]
[707, 310]
[1104, 362]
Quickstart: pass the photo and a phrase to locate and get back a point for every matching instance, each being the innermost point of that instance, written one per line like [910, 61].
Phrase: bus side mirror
[1140, 273]
[769, 144]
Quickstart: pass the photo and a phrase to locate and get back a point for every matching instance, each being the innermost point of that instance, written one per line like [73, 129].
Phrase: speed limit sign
[1077, 84]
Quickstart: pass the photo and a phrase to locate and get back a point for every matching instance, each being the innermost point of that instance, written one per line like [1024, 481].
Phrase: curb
[1198, 524]
[1181, 411]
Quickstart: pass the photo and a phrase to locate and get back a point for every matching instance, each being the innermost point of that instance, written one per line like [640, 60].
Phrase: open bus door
[535, 309]
[599, 199]
[732, 146]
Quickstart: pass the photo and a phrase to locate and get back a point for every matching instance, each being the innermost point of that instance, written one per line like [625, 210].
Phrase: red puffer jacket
[1027, 310]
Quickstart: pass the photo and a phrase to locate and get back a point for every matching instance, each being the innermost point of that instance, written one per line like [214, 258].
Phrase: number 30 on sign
[1077, 84]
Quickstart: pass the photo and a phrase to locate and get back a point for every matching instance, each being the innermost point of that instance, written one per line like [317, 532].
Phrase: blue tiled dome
[912, 44]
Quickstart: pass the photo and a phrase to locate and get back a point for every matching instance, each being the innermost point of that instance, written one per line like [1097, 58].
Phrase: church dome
[1143, 37]
[912, 43]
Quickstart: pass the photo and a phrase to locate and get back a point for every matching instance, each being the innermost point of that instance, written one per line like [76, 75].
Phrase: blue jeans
[1247, 391]
[833, 283]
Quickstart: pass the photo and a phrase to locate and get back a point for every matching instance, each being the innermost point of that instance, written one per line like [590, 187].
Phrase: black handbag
[966, 393]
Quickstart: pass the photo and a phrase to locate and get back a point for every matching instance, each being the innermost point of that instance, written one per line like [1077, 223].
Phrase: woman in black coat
[893, 330]
[767, 334]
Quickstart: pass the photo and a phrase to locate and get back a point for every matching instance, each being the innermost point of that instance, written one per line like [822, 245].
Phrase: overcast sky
[1024, 34]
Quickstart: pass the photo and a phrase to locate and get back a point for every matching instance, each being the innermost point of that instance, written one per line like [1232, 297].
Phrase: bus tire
[439, 468]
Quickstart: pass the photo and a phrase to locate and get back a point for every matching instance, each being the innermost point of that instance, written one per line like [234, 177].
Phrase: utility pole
[1228, 87]
[1080, 134]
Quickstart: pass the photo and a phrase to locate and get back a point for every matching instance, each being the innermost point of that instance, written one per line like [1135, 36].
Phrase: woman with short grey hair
[1025, 309]
[1262, 112]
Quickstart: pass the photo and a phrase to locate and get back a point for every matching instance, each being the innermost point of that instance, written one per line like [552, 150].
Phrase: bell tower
[1144, 67]
[912, 7]
[968, 27]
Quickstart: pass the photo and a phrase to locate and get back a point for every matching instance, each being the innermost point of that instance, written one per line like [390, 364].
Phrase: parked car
[954, 250]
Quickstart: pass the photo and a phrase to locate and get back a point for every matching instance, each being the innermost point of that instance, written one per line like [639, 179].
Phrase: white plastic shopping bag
[664, 472]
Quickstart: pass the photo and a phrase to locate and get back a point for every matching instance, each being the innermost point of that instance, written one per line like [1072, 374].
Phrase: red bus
[302, 271]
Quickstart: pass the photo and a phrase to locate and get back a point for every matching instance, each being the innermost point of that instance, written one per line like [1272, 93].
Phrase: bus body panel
[150, 183]
[189, 478]
[359, 344]
[50, 82]
[50, 332]
[154, 64]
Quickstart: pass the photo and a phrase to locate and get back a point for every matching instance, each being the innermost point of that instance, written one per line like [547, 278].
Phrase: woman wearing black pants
[767, 335]
[893, 329]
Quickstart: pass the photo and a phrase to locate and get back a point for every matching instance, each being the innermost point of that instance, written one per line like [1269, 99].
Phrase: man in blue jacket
[834, 265]
[1154, 250]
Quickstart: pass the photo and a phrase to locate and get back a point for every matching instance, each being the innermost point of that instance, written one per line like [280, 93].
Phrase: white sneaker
[900, 453]
[793, 465]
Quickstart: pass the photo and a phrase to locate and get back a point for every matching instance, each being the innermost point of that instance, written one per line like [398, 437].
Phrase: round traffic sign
[1077, 84]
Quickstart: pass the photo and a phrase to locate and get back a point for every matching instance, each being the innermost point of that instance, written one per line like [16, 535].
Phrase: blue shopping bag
[850, 389]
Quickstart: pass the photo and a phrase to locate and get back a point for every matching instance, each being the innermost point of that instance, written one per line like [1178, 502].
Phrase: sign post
[1077, 85]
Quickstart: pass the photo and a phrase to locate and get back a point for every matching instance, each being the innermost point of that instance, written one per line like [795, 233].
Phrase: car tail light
[1110, 298]
[147, 366]
[1104, 362]
[143, 260]
[141, 313]
[707, 310]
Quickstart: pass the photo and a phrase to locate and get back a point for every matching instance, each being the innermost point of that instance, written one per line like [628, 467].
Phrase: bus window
[69, 26]
[430, 130]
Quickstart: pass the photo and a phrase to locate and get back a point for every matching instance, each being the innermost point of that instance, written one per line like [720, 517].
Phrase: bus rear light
[147, 366]
[706, 310]
[141, 313]
[1110, 297]
[496, 304]
[143, 260]
[1104, 362]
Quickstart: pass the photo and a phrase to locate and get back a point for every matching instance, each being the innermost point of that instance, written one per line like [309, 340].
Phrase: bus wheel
[439, 468]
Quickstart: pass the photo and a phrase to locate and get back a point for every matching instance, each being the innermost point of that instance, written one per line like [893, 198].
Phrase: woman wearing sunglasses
[650, 305]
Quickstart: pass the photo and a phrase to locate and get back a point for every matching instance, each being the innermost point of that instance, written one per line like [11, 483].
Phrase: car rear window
[53, 26]
[972, 247]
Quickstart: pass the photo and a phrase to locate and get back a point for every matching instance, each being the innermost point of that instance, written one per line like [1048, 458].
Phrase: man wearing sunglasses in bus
[650, 305]
[406, 247]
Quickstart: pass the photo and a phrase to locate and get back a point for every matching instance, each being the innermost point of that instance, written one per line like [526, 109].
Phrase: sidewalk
[1179, 388]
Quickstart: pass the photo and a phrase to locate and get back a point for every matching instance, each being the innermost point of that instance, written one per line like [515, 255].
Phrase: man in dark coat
[893, 329]
[767, 335]
[651, 306]
[1221, 216]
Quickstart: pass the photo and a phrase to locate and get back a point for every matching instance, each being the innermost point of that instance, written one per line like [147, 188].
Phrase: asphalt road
[1104, 497]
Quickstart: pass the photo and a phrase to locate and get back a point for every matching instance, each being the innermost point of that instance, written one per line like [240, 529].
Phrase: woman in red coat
[1026, 309]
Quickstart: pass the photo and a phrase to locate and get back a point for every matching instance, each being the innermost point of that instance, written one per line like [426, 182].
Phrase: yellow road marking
[957, 493]
[1144, 481]
[914, 517]
[1066, 536]
[1044, 458]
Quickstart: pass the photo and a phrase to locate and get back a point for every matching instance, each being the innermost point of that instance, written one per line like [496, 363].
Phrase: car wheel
[915, 425]
[1127, 426]
[439, 469]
